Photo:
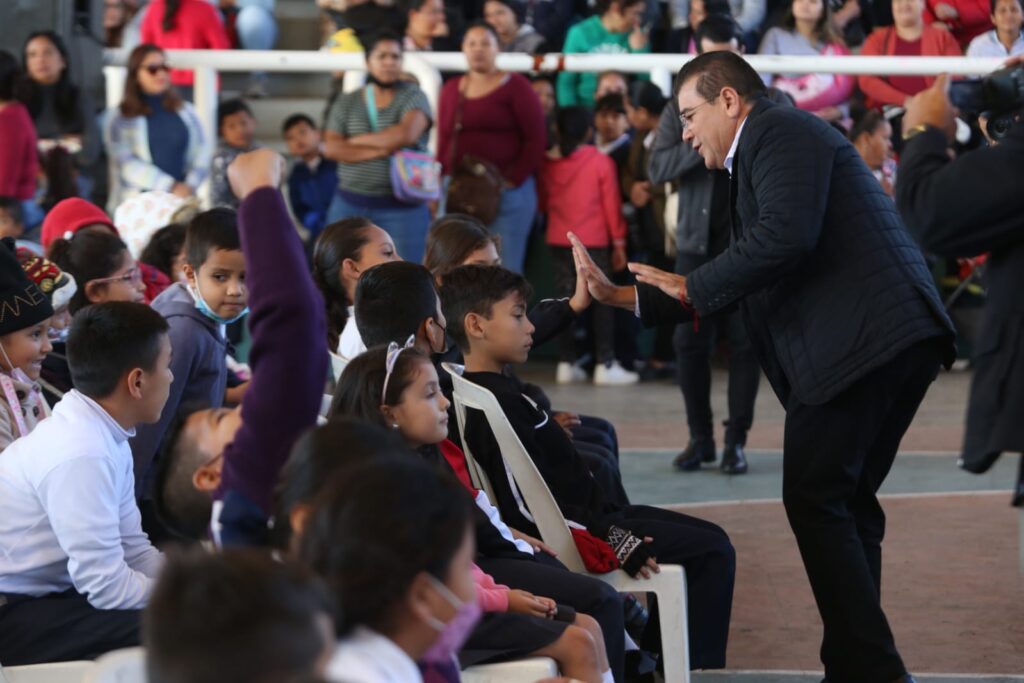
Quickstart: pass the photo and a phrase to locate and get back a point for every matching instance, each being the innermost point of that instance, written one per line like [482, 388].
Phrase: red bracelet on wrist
[688, 305]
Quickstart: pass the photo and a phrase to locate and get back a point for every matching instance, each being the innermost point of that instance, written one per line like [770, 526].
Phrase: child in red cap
[71, 215]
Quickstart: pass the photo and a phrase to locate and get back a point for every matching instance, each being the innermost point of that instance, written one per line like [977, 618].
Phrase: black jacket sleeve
[658, 308]
[550, 317]
[963, 207]
[790, 172]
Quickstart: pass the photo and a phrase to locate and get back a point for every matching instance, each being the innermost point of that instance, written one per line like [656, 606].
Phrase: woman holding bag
[378, 136]
[492, 125]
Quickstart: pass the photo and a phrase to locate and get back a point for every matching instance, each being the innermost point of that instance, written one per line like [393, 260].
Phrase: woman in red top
[909, 36]
[965, 19]
[184, 25]
[18, 159]
[502, 122]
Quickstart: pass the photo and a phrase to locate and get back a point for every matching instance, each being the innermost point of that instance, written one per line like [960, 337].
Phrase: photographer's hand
[932, 107]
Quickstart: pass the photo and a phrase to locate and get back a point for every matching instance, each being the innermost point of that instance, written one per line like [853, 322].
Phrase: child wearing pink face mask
[398, 388]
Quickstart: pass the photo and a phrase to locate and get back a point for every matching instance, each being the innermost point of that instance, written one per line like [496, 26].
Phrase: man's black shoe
[734, 460]
[697, 451]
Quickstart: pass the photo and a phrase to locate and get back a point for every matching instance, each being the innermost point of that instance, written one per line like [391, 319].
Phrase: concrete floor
[953, 585]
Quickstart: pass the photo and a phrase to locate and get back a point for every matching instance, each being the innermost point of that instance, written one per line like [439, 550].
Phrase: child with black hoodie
[485, 307]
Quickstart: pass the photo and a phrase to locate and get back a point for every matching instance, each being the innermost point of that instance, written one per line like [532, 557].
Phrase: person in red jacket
[18, 159]
[910, 36]
[184, 25]
[579, 192]
[965, 19]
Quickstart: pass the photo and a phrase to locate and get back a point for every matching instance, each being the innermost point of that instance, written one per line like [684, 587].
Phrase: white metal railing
[426, 66]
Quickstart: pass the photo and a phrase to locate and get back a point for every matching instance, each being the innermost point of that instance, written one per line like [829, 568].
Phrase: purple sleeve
[289, 350]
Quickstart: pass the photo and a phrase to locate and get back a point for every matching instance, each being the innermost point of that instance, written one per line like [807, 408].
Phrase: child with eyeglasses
[81, 244]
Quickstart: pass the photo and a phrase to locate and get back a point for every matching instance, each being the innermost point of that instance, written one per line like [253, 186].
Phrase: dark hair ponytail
[59, 168]
[170, 13]
[451, 239]
[316, 457]
[572, 124]
[339, 241]
[90, 254]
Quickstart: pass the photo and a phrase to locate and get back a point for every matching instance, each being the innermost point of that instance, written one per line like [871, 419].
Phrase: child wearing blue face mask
[197, 311]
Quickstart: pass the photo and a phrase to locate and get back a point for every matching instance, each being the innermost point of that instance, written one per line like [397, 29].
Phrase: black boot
[697, 451]
[734, 460]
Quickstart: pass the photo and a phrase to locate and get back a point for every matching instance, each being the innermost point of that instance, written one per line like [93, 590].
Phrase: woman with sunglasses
[154, 138]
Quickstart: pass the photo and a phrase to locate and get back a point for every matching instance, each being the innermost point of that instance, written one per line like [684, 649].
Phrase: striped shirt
[349, 117]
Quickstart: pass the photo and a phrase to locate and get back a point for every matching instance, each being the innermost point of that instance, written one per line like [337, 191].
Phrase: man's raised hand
[670, 283]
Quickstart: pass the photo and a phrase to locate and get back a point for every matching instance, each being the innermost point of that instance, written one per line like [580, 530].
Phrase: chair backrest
[120, 666]
[518, 464]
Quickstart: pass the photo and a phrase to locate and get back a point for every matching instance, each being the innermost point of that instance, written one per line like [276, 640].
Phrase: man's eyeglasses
[132, 277]
[686, 117]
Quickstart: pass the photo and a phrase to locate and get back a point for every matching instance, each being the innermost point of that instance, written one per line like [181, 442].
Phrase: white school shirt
[350, 344]
[368, 657]
[988, 45]
[68, 517]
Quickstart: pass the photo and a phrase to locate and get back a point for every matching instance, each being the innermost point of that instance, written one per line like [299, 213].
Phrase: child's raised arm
[289, 351]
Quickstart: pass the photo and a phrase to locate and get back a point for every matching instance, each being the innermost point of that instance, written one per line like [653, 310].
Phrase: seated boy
[234, 456]
[197, 313]
[237, 617]
[75, 566]
[485, 307]
[314, 179]
[236, 126]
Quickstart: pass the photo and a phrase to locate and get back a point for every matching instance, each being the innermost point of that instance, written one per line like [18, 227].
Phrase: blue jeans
[32, 215]
[407, 225]
[515, 218]
[256, 27]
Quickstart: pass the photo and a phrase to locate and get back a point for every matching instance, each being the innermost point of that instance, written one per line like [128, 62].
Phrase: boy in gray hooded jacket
[197, 312]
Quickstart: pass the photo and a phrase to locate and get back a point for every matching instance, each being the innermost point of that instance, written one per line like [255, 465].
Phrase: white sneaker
[570, 373]
[613, 374]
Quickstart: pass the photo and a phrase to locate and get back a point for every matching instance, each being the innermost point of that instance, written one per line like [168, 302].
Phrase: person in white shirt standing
[75, 566]
[1006, 39]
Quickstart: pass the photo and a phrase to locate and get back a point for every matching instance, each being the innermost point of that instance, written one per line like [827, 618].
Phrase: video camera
[999, 96]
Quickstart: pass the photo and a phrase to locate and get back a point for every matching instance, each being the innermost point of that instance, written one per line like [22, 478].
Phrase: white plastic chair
[669, 585]
[57, 672]
[521, 671]
[120, 666]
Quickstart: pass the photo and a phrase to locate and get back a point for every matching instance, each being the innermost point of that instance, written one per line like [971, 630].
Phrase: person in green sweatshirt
[615, 29]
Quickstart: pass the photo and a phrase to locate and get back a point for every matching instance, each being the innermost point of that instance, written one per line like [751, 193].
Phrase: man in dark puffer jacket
[846, 320]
